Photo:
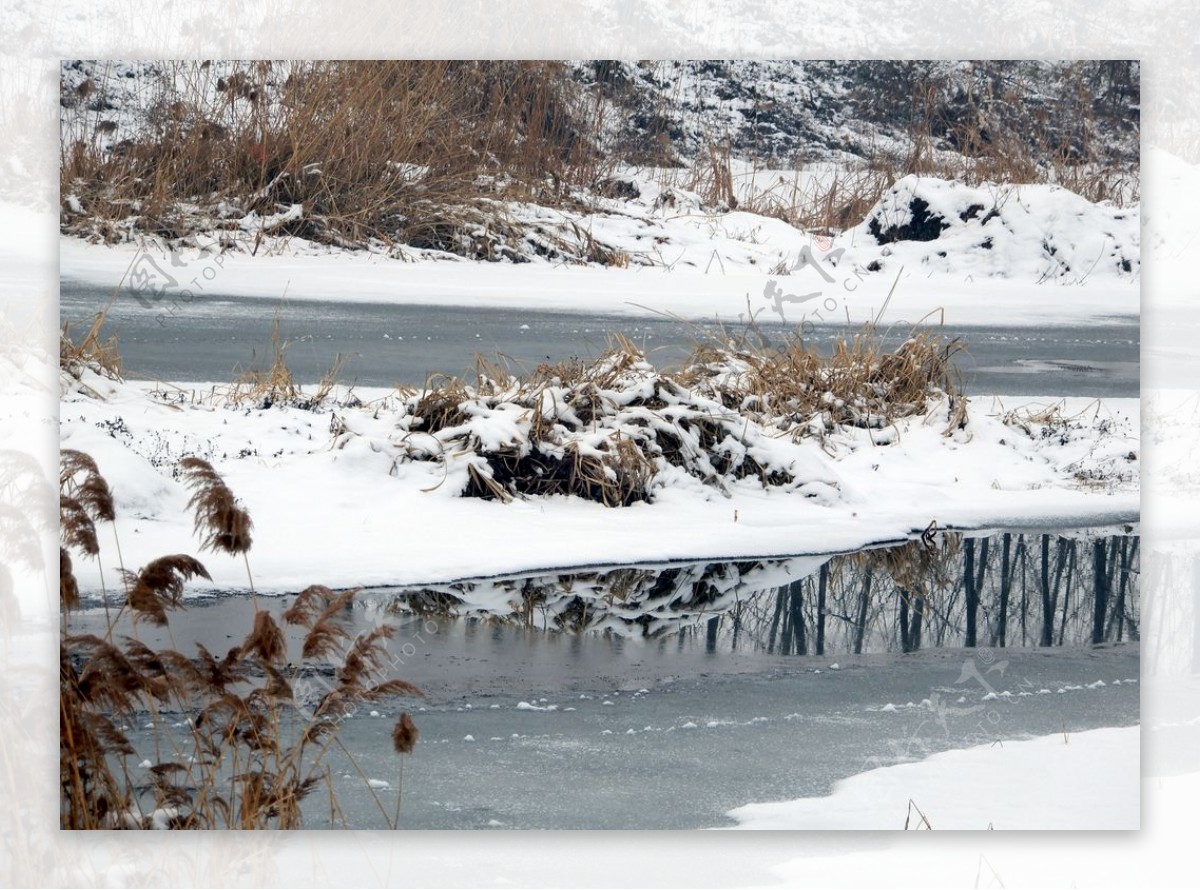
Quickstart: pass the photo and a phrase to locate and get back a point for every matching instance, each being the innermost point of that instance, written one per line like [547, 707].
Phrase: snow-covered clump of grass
[617, 430]
[611, 432]
[793, 389]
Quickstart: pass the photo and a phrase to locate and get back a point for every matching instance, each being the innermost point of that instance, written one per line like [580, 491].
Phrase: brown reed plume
[68, 587]
[86, 499]
[249, 766]
[309, 603]
[405, 734]
[266, 640]
[92, 492]
[220, 522]
[404, 739]
[159, 586]
[326, 627]
[76, 527]
[218, 675]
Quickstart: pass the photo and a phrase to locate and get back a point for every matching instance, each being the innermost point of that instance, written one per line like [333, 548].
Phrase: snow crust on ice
[1086, 780]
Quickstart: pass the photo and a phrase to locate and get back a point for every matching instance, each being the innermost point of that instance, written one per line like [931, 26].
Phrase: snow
[1009, 254]
[527, 706]
[1171, 227]
[1028, 463]
[735, 290]
[1037, 232]
[1087, 780]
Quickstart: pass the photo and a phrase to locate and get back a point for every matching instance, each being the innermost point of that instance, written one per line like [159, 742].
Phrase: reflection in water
[1007, 589]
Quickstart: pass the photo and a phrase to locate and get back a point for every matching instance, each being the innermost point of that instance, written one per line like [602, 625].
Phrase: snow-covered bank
[1086, 780]
[339, 497]
[1012, 255]
[632, 292]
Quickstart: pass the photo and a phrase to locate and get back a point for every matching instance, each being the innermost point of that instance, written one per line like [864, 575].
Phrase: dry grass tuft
[92, 353]
[277, 385]
[792, 387]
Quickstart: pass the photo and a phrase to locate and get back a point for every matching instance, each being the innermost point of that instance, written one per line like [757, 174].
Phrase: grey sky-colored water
[214, 337]
[527, 728]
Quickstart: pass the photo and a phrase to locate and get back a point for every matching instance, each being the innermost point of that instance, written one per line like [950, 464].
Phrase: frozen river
[531, 728]
[217, 336]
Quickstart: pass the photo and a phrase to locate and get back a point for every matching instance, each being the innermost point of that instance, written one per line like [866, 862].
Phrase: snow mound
[1043, 232]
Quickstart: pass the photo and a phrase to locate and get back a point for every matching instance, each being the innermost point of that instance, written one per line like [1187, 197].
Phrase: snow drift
[1042, 232]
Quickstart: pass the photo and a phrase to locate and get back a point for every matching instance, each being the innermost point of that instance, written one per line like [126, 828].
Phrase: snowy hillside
[701, 165]
[789, 112]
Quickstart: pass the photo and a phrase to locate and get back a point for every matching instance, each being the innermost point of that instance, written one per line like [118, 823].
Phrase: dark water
[678, 699]
[1017, 588]
[214, 337]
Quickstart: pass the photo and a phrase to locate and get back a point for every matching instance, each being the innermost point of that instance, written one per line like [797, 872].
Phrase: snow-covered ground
[1012, 255]
[1067, 781]
[349, 494]
[354, 493]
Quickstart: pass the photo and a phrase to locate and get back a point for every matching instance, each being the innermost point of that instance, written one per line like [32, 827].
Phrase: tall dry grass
[412, 152]
[92, 351]
[430, 153]
[252, 751]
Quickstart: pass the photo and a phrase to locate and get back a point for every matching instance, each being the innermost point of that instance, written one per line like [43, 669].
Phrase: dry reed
[399, 152]
[249, 765]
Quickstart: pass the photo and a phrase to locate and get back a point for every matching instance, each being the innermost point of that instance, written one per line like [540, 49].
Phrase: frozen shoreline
[1012, 254]
[986, 787]
[634, 292]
